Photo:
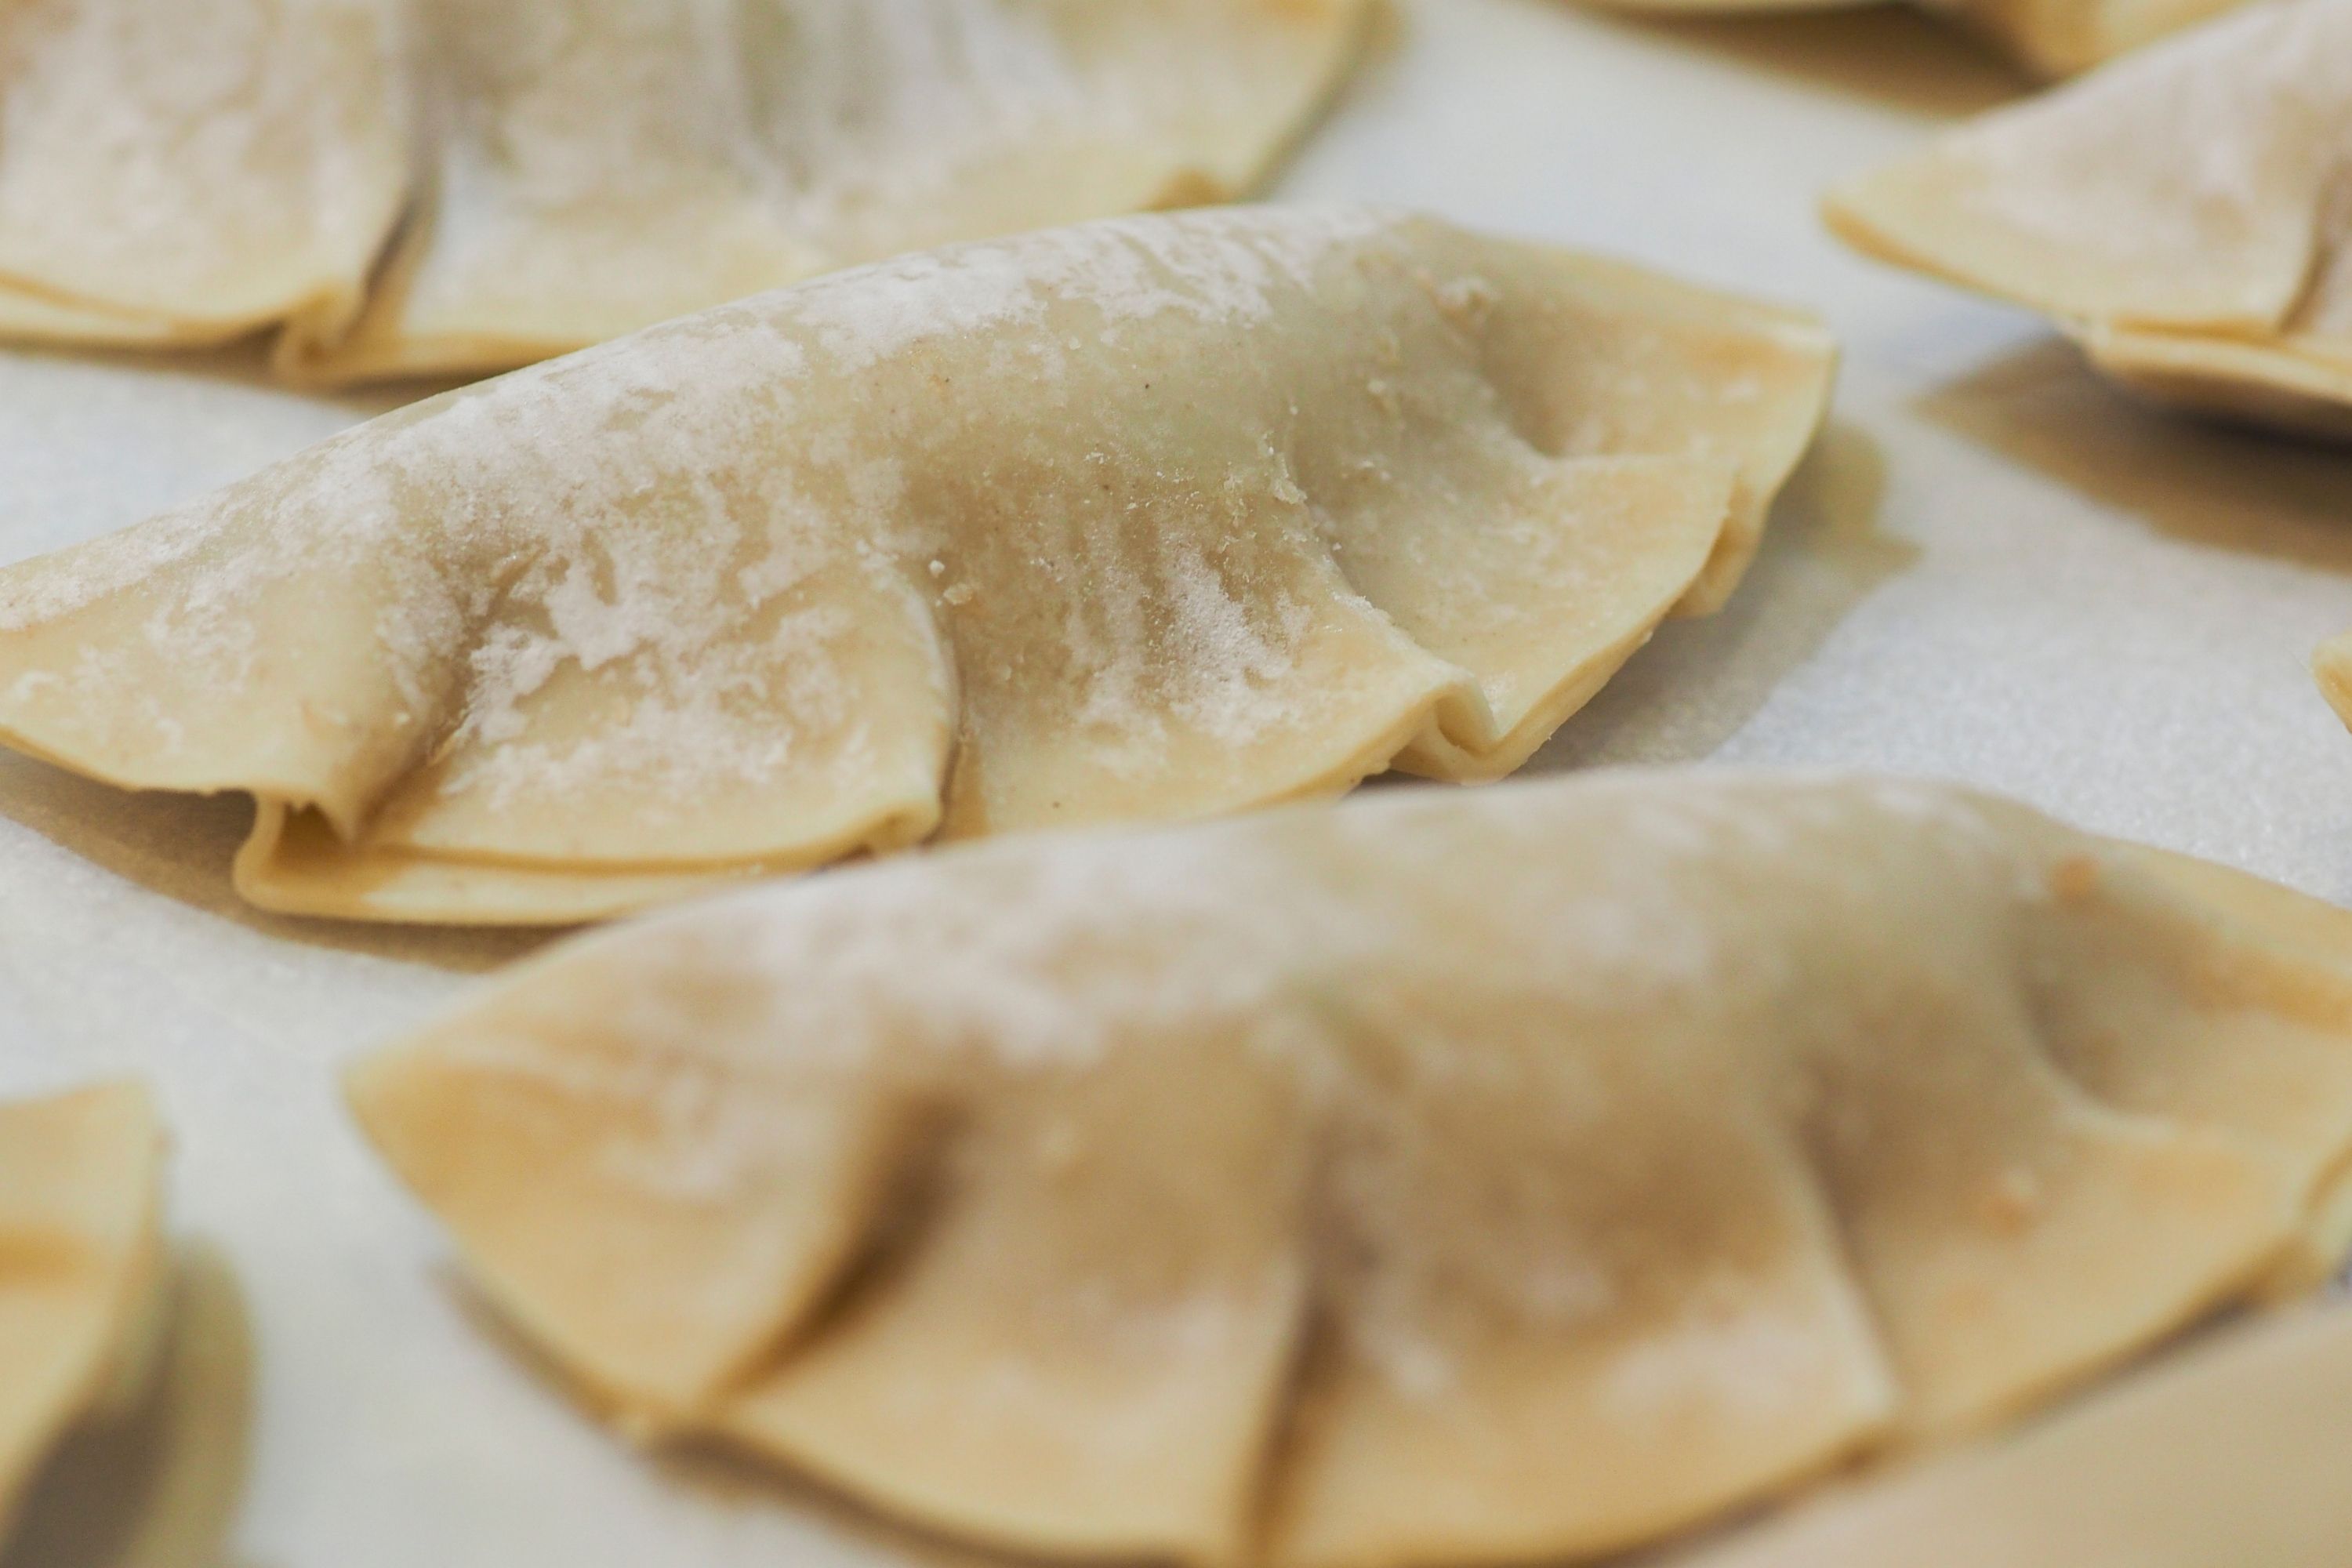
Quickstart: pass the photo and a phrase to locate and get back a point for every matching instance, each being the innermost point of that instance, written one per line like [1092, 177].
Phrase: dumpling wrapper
[2235, 1453]
[186, 173]
[601, 165]
[2181, 214]
[81, 1264]
[1151, 519]
[1428, 1179]
[2048, 38]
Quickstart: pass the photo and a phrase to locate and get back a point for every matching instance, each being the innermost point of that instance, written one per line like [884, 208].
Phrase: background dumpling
[562, 171]
[603, 165]
[82, 1264]
[1430, 1179]
[188, 173]
[1152, 519]
[2178, 214]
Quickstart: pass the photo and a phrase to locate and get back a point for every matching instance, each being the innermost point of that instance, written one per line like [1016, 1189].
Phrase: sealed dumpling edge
[2179, 214]
[82, 1266]
[1428, 1178]
[1146, 520]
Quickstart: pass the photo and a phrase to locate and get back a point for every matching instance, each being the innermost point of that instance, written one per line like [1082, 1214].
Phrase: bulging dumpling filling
[1433, 1178]
[81, 1265]
[562, 171]
[1146, 520]
[2181, 214]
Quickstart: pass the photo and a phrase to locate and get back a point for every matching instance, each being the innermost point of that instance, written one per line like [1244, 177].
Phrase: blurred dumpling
[2179, 214]
[1428, 1179]
[186, 173]
[1147, 520]
[82, 1264]
[603, 164]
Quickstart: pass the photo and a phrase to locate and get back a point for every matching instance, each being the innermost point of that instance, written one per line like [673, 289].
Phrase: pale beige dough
[81, 1264]
[2236, 1453]
[498, 181]
[1152, 519]
[2183, 214]
[2048, 38]
[184, 173]
[1429, 1179]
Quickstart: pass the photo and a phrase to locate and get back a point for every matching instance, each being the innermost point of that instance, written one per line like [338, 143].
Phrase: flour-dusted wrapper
[1147, 520]
[1426, 1179]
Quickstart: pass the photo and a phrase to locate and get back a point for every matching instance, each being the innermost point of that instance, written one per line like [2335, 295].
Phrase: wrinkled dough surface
[1152, 519]
[1426, 1179]
[186, 173]
[2182, 213]
[2048, 38]
[81, 1263]
[2236, 1453]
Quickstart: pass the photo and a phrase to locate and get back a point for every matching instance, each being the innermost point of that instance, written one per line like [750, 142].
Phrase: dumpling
[184, 173]
[1153, 519]
[570, 171]
[604, 165]
[2049, 37]
[81, 1264]
[2178, 213]
[1430, 1179]
[2236, 1454]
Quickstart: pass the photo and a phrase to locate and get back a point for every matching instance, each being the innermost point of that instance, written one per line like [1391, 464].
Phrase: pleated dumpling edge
[1424, 1179]
[1144, 520]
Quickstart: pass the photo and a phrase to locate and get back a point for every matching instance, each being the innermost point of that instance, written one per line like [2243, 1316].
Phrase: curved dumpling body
[2180, 213]
[82, 1264]
[1429, 1179]
[1147, 520]
[186, 173]
[2049, 37]
[2236, 1454]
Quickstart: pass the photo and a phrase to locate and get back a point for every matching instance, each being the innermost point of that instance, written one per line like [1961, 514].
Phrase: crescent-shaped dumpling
[82, 1264]
[2048, 38]
[2179, 214]
[183, 172]
[2234, 1454]
[605, 164]
[1430, 1179]
[1152, 519]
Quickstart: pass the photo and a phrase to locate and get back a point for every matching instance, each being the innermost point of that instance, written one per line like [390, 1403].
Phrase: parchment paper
[1993, 569]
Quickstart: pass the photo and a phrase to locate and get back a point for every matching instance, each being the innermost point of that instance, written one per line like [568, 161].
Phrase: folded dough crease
[1151, 519]
[81, 1264]
[1426, 1179]
[2183, 214]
